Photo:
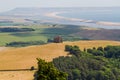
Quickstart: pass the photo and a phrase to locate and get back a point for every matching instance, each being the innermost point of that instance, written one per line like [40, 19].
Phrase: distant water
[107, 14]
[96, 14]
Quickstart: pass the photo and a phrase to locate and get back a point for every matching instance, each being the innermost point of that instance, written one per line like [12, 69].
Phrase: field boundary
[17, 70]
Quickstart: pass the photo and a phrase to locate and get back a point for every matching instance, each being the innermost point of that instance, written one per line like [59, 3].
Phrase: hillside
[22, 58]
[17, 57]
[45, 32]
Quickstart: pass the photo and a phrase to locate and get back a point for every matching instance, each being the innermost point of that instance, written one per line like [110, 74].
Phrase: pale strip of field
[2, 48]
[9, 26]
[24, 58]
[90, 28]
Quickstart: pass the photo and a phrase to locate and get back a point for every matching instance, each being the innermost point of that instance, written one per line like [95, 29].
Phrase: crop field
[24, 58]
[43, 32]
[17, 57]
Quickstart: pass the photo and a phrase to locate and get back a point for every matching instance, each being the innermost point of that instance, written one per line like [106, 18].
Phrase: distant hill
[31, 11]
[23, 11]
[38, 10]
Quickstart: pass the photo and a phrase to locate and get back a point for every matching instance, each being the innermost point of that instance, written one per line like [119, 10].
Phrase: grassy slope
[68, 32]
[15, 58]
[42, 32]
[18, 58]
[23, 36]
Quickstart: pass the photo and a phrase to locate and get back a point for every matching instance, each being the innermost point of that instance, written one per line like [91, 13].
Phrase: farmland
[22, 58]
[43, 32]
[17, 57]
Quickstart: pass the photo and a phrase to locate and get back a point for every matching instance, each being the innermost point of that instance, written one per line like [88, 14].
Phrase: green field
[7, 37]
[42, 32]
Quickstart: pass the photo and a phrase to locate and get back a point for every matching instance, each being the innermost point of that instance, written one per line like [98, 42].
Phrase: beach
[56, 15]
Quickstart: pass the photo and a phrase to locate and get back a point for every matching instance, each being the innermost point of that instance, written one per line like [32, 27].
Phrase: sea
[96, 14]
[104, 14]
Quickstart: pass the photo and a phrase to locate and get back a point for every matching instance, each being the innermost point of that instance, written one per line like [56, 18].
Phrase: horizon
[64, 7]
[8, 5]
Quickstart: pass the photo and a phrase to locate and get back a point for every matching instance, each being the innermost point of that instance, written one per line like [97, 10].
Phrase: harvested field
[24, 58]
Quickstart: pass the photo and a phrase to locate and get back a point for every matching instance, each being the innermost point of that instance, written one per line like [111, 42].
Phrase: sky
[11, 4]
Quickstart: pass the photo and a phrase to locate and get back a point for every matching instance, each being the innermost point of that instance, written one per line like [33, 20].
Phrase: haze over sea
[96, 14]
[98, 17]
[108, 14]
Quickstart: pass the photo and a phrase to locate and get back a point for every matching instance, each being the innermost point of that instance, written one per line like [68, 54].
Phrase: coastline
[56, 15]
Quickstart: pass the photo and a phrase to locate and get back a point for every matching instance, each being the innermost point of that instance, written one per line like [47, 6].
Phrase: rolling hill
[15, 58]
[22, 58]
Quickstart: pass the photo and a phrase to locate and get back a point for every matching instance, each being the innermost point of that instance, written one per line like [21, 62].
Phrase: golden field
[22, 58]
[17, 75]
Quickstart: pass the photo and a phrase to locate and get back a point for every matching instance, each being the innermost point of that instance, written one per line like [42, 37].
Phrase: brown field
[2, 48]
[17, 75]
[22, 58]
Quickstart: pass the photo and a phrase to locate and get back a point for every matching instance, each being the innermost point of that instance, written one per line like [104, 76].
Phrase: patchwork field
[68, 33]
[25, 57]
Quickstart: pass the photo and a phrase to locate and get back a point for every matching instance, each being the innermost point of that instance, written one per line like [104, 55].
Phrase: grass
[22, 36]
[7, 37]
[42, 32]
[68, 33]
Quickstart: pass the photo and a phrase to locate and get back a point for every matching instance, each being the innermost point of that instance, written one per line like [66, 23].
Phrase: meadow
[42, 32]
[7, 37]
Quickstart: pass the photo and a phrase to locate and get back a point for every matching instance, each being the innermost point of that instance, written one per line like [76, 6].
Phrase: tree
[100, 48]
[47, 71]
[73, 50]
[58, 39]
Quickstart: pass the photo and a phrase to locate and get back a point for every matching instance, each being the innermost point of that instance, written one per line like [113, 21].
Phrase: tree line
[90, 64]
[23, 44]
[16, 29]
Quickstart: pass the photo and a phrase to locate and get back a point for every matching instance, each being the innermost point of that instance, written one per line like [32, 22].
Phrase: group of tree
[56, 39]
[47, 71]
[16, 29]
[73, 49]
[108, 52]
[90, 64]
[23, 44]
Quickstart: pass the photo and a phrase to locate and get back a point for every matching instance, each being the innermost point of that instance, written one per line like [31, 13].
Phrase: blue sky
[10, 4]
